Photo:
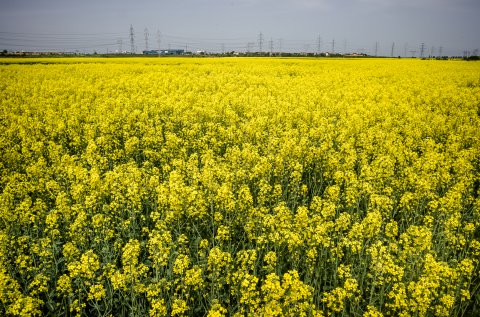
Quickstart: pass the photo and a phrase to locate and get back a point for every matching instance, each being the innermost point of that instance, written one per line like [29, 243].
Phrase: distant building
[164, 52]
[355, 55]
[172, 52]
[151, 52]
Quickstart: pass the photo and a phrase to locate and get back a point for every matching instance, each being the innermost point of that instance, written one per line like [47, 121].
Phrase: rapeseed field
[239, 187]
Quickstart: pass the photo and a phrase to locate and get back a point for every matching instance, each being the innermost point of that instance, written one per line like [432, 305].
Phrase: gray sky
[216, 25]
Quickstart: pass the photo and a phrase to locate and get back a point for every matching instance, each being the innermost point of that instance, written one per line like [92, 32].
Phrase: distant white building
[165, 52]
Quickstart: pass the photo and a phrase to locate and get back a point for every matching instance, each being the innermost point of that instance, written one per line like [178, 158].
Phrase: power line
[50, 48]
[32, 34]
[66, 41]
[393, 48]
[56, 40]
[203, 38]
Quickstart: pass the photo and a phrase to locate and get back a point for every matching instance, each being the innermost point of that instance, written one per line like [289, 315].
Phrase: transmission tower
[319, 45]
[306, 48]
[132, 40]
[333, 46]
[393, 48]
[271, 46]
[280, 44]
[376, 48]
[422, 49]
[249, 46]
[260, 41]
[120, 46]
[159, 39]
[145, 32]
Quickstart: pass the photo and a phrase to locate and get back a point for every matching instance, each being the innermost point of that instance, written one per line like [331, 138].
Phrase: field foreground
[239, 187]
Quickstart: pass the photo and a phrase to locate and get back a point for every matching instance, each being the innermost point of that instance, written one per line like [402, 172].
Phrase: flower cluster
[239, 187]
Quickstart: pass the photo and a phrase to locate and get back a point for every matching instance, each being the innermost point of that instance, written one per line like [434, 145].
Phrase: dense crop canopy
[239, 187]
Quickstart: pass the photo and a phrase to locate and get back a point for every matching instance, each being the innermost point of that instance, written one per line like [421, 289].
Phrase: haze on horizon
[235, 25]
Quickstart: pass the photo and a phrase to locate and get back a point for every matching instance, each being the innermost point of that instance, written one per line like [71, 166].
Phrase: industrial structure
[164, 52]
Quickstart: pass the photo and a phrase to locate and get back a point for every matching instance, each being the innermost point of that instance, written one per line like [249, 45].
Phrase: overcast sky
[216, 25]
